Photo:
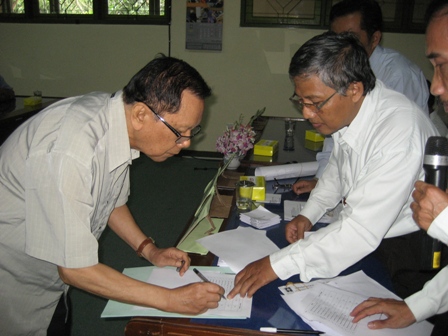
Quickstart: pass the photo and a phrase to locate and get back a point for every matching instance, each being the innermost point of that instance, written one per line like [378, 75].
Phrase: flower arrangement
[239, 138]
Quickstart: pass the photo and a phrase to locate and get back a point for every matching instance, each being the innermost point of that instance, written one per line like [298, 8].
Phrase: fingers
[291, 232]
[364, 309]
[195, 298]
[252, 277]
[296, 228]
[183, 264]
[397, 312]
[303, 186]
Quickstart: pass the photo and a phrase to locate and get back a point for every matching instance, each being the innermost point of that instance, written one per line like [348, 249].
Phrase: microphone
[435, 165]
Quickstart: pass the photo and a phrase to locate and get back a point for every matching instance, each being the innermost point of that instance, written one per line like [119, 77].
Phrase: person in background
[64, 176]
[380, 136]
[430, 207]
[364, 18]
[6, 92]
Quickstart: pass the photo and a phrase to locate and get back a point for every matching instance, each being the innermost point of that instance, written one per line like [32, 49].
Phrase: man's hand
[398, 313]
[167, 257]
[195, 298]
[296, 228]
[252, 277]
[304, 186]
[429, 202]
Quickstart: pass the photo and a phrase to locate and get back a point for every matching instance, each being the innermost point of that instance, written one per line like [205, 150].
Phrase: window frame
[99, 16]
[402, 22]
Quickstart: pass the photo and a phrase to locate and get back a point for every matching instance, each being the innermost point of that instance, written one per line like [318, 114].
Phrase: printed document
[326, 305]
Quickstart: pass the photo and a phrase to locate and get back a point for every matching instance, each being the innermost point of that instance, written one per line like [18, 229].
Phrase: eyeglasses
[180, 138]
[315, 107]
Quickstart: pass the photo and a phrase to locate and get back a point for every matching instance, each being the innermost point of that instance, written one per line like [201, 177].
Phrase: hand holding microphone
[435, 164]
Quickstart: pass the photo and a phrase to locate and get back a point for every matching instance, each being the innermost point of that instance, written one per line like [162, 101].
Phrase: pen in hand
[203, 278]
[180, 267]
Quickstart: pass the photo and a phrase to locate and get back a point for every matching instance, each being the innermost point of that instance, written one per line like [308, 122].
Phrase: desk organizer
[259, 191]
[266, 147]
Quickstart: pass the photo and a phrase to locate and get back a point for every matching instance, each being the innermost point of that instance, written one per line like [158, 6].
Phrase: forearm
[123, 224]
[106, 282]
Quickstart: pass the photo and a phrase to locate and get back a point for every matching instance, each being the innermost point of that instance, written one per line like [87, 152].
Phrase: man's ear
[139, 115]
[376, 39]
[355, 91]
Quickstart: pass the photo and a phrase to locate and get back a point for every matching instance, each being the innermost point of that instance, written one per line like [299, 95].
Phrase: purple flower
[237, 138]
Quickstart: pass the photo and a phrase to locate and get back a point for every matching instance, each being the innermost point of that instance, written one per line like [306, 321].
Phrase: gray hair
[337, 59]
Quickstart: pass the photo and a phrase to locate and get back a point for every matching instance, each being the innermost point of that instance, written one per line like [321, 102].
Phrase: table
[268, 307]
[273, 128]
[14, 112]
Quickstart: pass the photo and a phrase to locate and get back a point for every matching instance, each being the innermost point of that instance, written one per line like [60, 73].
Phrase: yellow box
[31, 101]
[262, 158]
[266, 147]
[259, 191]
[313, 135]
[314, 146]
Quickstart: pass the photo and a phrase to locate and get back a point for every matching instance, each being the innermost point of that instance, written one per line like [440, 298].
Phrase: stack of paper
[326, 305]
[260, 218]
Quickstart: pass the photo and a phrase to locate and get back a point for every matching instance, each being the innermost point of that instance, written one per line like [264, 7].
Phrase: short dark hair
[434, 9]
[162, 81]
[370, 10]
[337, 59]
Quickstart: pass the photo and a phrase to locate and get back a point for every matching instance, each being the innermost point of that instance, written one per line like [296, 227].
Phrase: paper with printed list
[326, 305]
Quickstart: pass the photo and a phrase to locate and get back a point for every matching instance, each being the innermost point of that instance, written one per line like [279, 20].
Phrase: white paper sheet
[287, 170]
[326, 307]
[238, 307]
[239, 247]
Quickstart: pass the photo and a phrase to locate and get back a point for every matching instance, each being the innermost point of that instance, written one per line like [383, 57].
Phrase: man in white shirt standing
[380, 136]
[430, 206]
[364, 18]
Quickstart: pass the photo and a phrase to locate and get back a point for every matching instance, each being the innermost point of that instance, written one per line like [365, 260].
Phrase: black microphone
[435, 164]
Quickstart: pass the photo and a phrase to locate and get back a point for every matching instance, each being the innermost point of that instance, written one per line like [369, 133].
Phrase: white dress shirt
[399, 74]
[373, 167]
[433, 298]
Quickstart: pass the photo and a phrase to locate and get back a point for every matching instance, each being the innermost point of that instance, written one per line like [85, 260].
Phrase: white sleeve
[432, 299]
[362, 224]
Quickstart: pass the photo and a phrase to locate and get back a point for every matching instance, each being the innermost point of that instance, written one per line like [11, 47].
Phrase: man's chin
[160, 158]
[445, 106]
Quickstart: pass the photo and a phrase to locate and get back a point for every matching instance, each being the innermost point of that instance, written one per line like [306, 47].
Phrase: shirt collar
[119, 149]
[355, 134]
[375, 57]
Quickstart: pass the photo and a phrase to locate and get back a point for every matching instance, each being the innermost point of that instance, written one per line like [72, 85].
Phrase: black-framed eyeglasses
[315, 107]
[180, 138]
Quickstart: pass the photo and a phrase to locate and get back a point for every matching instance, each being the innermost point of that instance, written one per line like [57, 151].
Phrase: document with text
[326, 305]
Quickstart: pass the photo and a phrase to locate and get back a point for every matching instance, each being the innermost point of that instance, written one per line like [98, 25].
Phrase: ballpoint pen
[203, 278]
[291, 331]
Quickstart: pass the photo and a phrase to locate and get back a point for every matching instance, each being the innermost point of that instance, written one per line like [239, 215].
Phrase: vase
[234, 163]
